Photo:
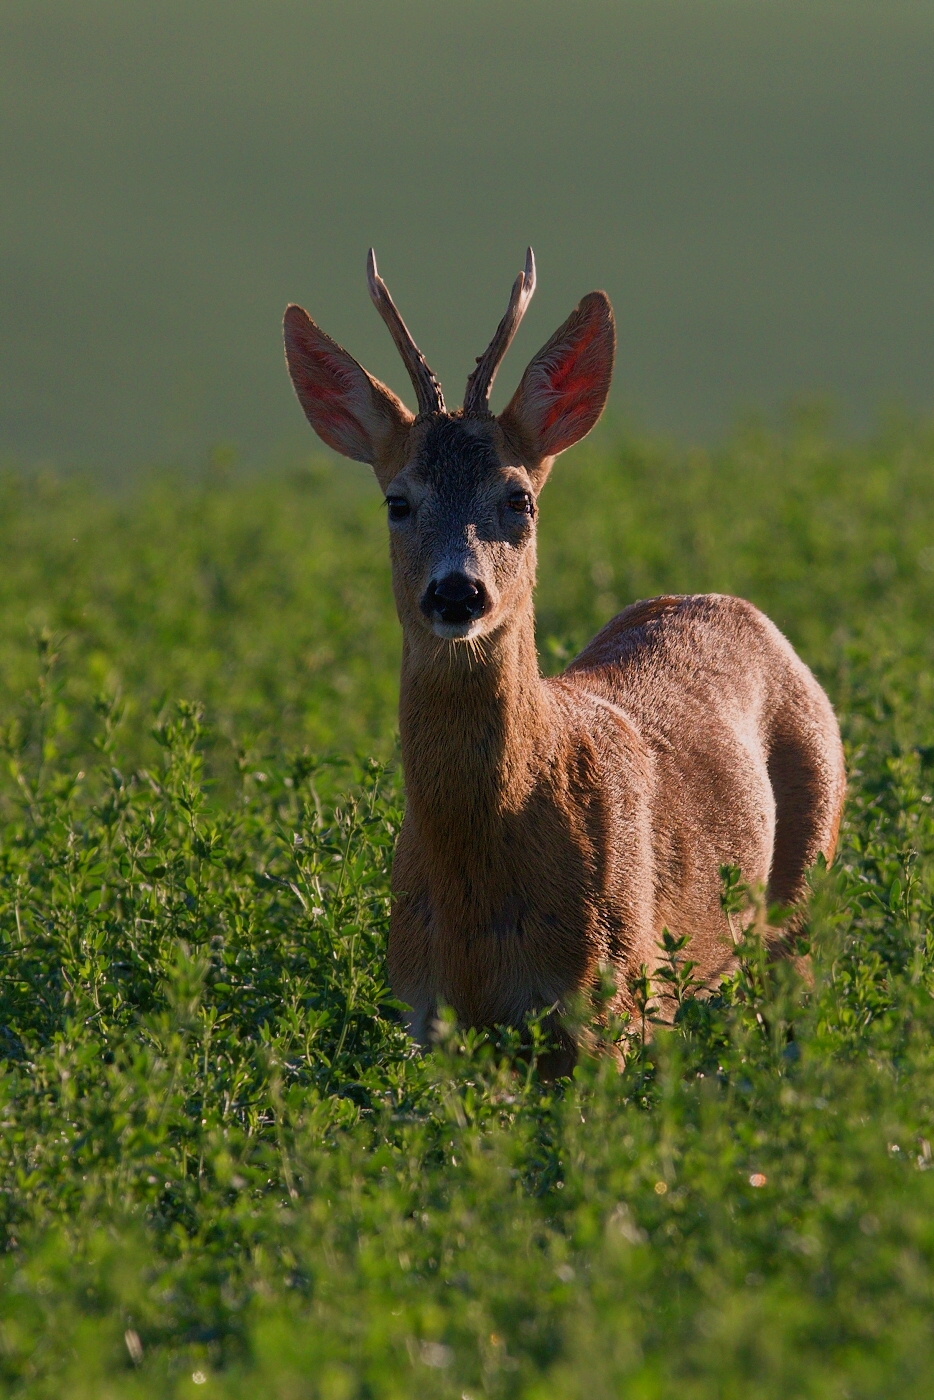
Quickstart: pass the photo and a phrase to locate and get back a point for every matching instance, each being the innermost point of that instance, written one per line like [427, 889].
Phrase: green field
[224, 1172]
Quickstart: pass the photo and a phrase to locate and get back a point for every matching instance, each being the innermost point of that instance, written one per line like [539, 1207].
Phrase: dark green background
[753, 183]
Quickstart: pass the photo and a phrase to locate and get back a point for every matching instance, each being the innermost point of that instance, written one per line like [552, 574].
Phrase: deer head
[461, 487]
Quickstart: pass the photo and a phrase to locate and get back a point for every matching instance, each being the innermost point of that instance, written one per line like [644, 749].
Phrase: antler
[427, 389]
[477, 393]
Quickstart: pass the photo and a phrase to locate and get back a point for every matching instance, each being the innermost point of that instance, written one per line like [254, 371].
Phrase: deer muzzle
[455, 600]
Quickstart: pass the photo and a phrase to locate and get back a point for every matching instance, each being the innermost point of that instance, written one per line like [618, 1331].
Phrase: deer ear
[348, 409]
[564, 389]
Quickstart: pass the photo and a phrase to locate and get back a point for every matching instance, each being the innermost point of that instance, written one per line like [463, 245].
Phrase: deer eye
[521, 502]
[398, 507]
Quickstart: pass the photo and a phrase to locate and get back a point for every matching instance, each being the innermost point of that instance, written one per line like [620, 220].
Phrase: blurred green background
[751, 180]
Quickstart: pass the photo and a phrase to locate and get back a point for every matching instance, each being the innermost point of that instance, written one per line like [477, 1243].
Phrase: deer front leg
[408, 954]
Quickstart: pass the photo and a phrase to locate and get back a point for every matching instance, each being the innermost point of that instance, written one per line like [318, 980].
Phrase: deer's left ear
[564, 389]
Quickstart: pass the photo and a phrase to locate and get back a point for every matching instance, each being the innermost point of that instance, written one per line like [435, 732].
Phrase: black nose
[455, 598]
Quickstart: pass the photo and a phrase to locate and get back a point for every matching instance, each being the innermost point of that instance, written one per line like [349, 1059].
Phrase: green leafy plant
[224, 1168]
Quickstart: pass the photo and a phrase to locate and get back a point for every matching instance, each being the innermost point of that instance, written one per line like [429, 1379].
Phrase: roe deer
[555, 825]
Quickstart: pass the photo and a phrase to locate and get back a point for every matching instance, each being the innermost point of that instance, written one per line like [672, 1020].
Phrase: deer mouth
[455, 631]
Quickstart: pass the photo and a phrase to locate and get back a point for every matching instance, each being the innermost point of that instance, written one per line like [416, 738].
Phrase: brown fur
[553, 826]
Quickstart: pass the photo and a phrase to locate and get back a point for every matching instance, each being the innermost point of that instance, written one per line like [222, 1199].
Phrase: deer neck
[476, 729]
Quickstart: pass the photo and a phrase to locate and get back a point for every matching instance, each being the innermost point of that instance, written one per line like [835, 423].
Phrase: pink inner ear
[328, 388]
[329, 385]
[574, 379]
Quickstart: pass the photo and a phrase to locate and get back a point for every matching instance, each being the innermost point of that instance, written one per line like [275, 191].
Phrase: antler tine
[427, 389]
[477, 393]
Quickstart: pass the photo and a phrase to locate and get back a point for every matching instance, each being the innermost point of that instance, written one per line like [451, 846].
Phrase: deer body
[556, 825]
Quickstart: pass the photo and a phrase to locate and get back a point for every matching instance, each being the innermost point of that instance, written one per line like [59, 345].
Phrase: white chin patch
[455, 631]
